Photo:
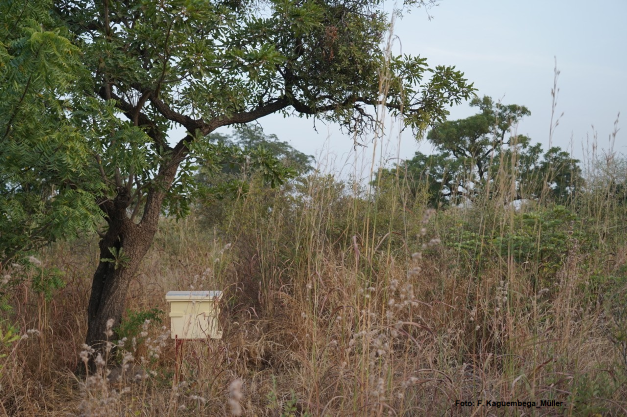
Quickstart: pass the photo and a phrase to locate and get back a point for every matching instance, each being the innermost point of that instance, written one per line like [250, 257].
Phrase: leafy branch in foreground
[46, 188]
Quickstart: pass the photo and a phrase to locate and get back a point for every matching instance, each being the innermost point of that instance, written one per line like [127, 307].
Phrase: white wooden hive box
[194, 314]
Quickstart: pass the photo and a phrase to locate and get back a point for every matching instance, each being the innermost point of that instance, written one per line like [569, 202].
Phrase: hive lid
[193, 295]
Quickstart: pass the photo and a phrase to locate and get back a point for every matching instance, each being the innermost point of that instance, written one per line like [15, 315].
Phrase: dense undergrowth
[342, 302]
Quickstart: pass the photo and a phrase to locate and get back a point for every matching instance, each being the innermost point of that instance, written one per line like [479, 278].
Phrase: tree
[439, 176]
[246, 156]
[251, 139]
[43, 155]
[202, 64]
[554, 175]
[476, 138]
[477, 151]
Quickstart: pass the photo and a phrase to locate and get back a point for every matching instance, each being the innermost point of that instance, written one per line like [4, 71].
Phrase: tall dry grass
[344, 304]
[347, 300]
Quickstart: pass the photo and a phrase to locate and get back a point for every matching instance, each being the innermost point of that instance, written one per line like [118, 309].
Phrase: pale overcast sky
[507, 48]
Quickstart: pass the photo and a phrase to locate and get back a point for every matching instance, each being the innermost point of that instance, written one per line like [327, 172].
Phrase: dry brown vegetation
[340, 303]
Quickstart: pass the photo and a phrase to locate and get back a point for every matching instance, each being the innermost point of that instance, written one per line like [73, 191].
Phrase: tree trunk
[117, 267]
[113, 275]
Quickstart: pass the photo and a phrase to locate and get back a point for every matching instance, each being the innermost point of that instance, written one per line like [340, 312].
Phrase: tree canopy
[252, 139]
[475, 139]
[235, 159]
[481, 154]
[46, 191]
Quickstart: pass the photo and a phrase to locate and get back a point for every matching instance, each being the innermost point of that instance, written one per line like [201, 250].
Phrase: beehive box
[194, 314]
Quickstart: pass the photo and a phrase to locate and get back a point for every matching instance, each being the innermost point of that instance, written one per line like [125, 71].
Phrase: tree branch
[190, 124]
[165, 60]
[139, 106]
[137, 205]
[17, 106]
[246, 116]
[101, 168]
[134, 113]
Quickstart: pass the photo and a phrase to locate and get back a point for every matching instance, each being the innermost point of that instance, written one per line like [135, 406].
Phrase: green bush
[135, 323]
[541, 237]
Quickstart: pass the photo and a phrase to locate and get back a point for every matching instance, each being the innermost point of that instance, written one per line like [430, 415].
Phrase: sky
[509, 50]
